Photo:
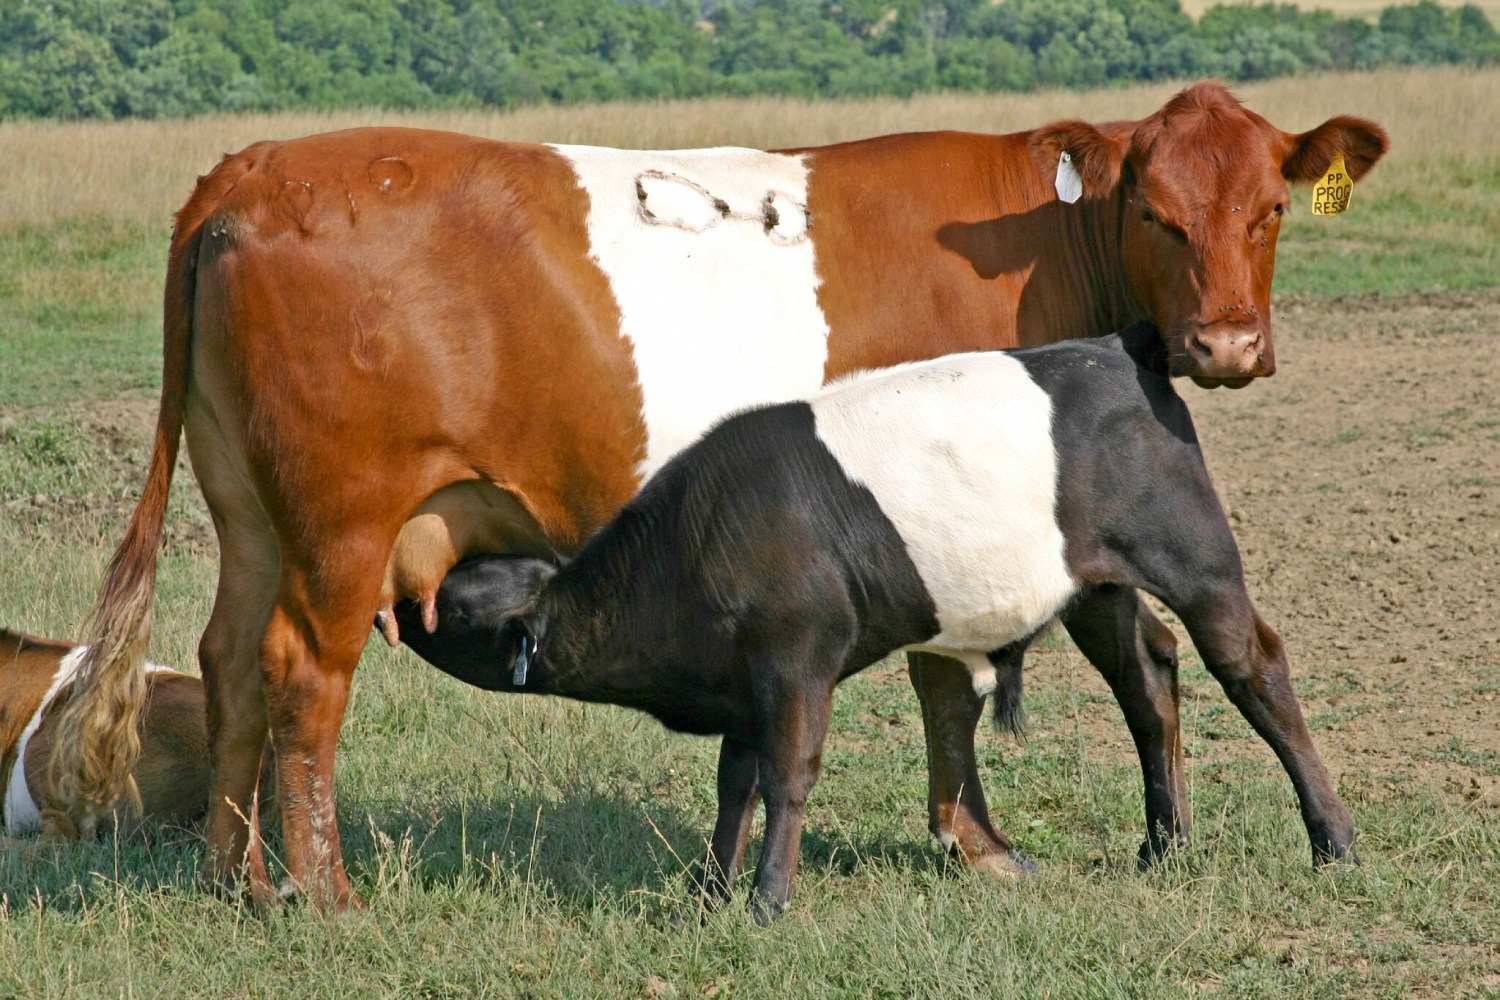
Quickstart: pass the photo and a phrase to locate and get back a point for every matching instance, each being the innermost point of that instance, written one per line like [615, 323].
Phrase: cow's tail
[99, 725]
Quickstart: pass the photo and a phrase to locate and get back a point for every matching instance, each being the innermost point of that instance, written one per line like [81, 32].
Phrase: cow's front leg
[956, 811]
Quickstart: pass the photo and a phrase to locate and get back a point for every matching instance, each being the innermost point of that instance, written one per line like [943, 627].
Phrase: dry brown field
[1349, 8]
[138, 171]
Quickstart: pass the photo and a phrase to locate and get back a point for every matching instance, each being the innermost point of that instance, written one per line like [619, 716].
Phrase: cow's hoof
[345, 903]
[1007, 867]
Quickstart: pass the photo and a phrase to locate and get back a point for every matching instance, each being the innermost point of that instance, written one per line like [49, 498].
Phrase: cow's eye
[1147, 217]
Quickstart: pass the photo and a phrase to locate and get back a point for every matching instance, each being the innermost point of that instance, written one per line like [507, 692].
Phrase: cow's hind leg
[956, 810]
[312, 646]
[229, 656]
[1248, 658]
[1137, 655]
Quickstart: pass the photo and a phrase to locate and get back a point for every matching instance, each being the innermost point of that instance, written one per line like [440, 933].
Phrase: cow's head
[1201, 188]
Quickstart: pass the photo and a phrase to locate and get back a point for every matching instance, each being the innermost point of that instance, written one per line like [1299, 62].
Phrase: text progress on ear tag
[1069, 184]
[523, 660]
[1331, 194]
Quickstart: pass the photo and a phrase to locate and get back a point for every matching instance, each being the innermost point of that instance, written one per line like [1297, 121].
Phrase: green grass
[80, 310]
[513, 846]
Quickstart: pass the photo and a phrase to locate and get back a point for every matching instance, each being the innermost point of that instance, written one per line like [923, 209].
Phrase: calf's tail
[1008, 713]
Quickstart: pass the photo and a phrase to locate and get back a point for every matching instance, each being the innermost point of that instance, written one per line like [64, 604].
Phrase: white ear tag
[523, 660]
[1069, 184]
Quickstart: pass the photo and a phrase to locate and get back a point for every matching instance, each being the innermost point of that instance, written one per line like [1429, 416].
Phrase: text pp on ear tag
[1069, 184]
[1331, 194]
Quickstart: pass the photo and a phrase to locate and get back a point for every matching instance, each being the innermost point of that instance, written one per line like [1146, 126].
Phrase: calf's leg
[795, 720]
[1137, 655]
[1248, 659]
[739, 791]
[957, 813]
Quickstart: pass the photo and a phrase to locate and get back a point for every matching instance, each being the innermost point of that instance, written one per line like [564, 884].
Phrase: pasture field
[525, 847]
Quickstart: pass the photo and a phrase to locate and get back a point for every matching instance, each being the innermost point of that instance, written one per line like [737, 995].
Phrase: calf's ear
[1358, 140]
[1097, 157]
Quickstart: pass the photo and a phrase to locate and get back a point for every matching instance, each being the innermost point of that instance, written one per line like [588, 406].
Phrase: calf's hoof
[1329, 847]
[766, 909]
[1153, 849]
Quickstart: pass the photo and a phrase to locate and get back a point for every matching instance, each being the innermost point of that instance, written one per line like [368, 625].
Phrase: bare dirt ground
[1363, 483]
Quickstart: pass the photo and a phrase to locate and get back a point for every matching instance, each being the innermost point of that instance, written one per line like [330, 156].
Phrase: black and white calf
[955, 505]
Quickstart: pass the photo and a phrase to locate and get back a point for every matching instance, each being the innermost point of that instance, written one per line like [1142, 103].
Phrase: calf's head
[486, 604]
[1201, 188]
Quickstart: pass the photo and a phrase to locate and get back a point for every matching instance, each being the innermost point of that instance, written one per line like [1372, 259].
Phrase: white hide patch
[708, 254]
[21, 814]
[958, 453]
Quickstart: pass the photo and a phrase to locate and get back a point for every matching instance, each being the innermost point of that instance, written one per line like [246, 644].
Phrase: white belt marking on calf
[21, 813]
[958, 453]
[720, 316]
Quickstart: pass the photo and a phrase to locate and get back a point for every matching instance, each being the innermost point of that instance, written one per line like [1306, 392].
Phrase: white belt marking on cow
[958, 453]
[21, 813]
[719, 303]
[666, 199]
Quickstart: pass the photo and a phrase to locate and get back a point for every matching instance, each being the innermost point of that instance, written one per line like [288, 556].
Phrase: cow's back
[387, 300]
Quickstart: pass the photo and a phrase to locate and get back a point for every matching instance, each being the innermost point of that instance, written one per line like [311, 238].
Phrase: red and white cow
[391, 347]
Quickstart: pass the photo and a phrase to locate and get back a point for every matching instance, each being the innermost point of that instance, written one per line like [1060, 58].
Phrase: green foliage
[170, 58]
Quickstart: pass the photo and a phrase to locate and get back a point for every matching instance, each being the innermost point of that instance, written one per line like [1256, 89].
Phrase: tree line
[170, 58]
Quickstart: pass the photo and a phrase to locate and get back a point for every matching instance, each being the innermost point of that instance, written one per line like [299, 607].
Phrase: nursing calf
[171, 772]
[954, 506]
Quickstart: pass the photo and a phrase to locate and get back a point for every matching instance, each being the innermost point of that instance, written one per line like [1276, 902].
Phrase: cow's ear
[1358, 140]
[1097, 157]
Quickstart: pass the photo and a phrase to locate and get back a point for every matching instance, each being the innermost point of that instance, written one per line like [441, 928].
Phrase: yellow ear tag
[1331, 195]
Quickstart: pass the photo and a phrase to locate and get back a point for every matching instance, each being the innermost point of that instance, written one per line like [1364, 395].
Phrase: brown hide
[171, 772]
[401, 351]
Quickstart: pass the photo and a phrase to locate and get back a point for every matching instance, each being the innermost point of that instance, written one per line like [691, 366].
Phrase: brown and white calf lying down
[172, 770]
[955, 505]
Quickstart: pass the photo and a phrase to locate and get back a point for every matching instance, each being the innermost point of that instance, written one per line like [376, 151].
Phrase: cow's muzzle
[1222, 354]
